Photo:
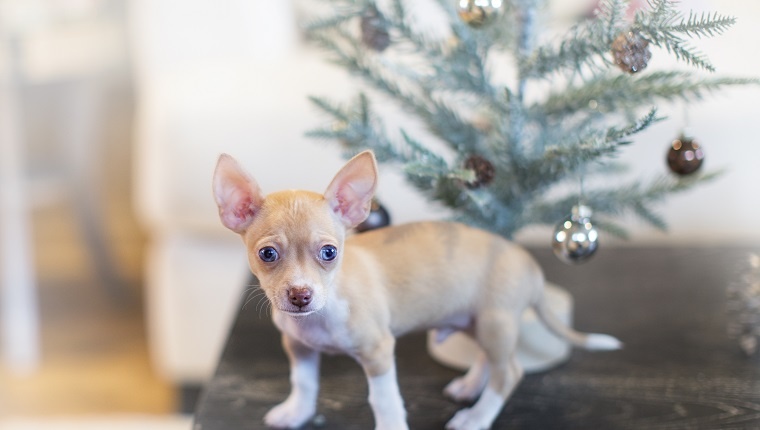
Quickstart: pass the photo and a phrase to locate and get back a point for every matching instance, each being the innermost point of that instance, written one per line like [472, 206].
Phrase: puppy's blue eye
[268, 254]
[328, 253]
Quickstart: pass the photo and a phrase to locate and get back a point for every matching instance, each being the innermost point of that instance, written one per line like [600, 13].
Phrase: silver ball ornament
[575, 239]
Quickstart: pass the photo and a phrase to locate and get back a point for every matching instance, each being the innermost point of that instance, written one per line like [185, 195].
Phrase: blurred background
[118, 282]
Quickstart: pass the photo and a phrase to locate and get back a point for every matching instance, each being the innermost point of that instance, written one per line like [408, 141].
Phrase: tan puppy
[354, 295]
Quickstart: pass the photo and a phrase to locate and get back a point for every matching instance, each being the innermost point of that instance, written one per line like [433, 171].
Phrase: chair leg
[83, 127]
[20, 315]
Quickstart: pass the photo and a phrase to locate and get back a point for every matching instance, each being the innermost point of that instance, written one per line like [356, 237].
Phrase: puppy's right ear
[237, 194]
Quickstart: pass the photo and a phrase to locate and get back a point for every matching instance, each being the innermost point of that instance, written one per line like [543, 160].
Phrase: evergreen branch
[421, 160]
[360, 130]
[356, 129]
[660, 28]
[330, 108]
[644, 212]
[663, 11]
[424, 169]
[613, 13]
[566, 159]
[320, 24]
[636, 195]
[586, 45]
[680, 49]
[334, 43]
[610, 93]
[467, 60]
[432, 50]
[562, 160]
[448, 125]
[635, 198]
[704, 25]
[441, 120]
[612, 228]
[462, 64]
[575, 52]
[616, 135]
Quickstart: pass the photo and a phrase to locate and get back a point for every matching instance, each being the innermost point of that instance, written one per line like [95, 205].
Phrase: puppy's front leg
[384, 394]
[301, 404]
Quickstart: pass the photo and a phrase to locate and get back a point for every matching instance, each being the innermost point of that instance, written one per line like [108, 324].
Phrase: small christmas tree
[510, 144]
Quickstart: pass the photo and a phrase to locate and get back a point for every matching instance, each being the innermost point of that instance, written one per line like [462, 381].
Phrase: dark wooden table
[679, 369]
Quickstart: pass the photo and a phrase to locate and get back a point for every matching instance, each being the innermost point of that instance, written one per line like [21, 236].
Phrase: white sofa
[233, 77]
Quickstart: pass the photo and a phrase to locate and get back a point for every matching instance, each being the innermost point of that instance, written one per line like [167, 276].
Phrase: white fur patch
[325, 330]
[602, 342]
[480, 416]
[301, 404]
[387, 404]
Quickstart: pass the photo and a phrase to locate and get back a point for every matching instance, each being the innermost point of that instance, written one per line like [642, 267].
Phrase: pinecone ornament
[631, 52]
[374, 29]
[484, 171]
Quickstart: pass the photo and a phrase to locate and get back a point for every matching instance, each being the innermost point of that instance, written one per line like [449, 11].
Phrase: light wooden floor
[95, 357]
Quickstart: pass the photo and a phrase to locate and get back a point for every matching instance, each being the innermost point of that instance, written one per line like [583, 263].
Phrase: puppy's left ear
[350, 192]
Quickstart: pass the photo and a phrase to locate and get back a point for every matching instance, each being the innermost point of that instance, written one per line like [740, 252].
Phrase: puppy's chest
[321, 334]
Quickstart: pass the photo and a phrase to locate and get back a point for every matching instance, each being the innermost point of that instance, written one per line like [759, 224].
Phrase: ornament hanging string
[575, 239]
[686, 130]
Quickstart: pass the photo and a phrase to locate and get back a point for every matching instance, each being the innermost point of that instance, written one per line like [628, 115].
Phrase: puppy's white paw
[289, 415]
[467, 419]
[464, 389]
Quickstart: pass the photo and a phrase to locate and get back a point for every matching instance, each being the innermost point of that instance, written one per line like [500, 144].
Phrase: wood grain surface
[678, 370]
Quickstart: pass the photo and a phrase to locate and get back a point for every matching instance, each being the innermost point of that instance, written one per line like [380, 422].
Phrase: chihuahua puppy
[355, 294]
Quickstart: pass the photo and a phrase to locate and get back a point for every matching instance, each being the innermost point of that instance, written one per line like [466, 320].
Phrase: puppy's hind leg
[496, 332]
[468, 387]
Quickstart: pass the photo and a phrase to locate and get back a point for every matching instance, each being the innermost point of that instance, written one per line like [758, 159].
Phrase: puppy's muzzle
[299, 296]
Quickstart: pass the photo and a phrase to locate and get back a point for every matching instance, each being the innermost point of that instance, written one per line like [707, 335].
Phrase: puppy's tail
[590, 341]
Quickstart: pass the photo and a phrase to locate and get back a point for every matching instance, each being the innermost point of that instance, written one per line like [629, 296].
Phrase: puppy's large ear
[236, 193]
[350, 192]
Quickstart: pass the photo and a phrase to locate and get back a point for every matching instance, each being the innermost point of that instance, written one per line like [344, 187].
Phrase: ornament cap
[581, 211]
[686, 134]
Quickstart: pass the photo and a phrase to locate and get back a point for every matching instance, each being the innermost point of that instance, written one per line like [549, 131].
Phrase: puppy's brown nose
[299, 296]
